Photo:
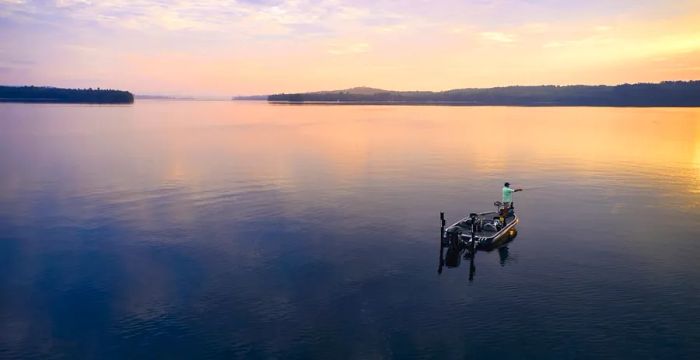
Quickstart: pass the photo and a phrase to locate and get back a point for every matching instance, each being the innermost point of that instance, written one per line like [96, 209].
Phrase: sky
[245, 47]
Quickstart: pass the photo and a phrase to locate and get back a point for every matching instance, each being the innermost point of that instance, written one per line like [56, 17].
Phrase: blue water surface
[184, 229]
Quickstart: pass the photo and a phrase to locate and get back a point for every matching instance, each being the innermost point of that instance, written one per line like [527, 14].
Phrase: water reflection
[451, 256]
[503, 255]
[165, 228]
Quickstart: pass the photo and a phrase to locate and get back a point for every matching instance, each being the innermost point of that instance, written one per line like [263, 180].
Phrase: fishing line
[535, 188]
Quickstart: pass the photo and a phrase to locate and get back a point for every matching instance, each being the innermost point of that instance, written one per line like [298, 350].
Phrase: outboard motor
[452, 234]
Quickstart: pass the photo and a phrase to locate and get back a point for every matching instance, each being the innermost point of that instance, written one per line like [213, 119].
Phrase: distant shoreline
[664, 94]
[52, 95]
[459, 104]
[56, 101]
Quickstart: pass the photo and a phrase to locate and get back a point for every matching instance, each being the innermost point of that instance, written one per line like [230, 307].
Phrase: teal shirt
[508, 194]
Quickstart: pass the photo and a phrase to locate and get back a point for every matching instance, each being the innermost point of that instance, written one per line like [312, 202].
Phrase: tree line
[59, 95]
[667, 93]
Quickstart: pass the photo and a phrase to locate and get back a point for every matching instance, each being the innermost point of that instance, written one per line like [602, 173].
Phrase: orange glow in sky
[265, 46]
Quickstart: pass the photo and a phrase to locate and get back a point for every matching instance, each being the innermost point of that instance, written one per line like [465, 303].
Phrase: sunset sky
[264, 46]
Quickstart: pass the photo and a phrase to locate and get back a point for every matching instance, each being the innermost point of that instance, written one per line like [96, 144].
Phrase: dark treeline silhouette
[667, 93]
[58, 95]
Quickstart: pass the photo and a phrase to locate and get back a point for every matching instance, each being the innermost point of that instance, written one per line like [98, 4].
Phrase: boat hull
[460, 232]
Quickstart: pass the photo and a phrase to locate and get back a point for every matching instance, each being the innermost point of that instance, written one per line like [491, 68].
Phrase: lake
[191, 229]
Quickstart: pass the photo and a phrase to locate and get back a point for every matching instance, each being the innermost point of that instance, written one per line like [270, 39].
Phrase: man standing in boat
[508, 197]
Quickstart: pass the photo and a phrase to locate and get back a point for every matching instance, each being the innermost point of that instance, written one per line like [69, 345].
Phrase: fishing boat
[482, 230]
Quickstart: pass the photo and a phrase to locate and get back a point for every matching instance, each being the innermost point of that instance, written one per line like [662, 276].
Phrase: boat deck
[484, 231]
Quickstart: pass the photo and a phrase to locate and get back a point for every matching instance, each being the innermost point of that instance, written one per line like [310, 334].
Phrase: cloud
[204, 15]
[251, 18]
[354, 48]
[271, 45]
[536, 28]
[498, 37]
[70, 3]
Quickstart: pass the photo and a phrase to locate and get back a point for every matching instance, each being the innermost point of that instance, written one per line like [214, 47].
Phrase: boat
[482, 230]
[485, 231]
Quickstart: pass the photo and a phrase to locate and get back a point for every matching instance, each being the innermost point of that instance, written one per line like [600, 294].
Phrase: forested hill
[668, 93]
[58, 95]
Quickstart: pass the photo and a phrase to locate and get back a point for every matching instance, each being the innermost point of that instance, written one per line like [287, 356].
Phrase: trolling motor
[503, 213]
[498, 205]
[501, 209]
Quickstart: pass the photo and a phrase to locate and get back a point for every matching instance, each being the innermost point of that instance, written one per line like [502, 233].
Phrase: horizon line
[229, 96]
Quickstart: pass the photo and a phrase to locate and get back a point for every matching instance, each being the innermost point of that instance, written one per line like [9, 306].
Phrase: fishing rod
[533, 188]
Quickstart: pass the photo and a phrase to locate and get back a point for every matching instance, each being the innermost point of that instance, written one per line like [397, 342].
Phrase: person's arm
[516, 190]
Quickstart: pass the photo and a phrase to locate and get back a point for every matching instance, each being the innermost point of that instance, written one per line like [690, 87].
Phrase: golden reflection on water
[201, 144]
[346, 140]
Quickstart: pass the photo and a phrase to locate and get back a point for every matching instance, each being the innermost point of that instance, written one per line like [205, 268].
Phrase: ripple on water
[255, 231]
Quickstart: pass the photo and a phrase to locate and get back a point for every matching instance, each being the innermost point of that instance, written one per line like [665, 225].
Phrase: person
[508, 196]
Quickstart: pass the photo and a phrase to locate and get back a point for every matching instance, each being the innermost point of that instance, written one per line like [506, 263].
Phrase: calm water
[247, 230]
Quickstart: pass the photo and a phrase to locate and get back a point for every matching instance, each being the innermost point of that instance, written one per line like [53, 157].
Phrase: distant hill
[58, 95]
[667, 93]
[360, 90]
